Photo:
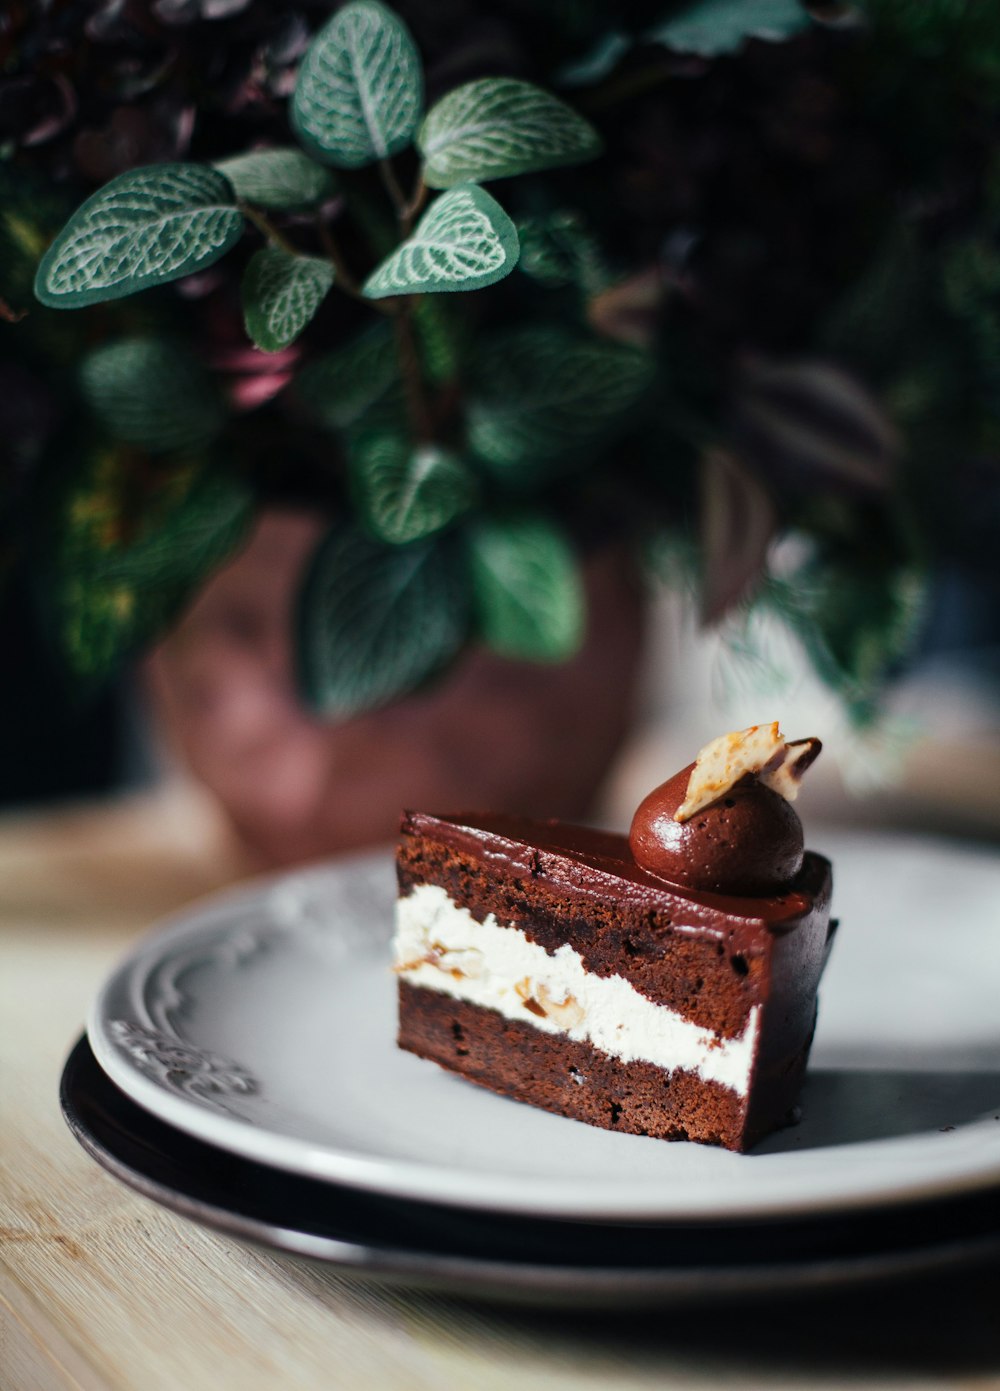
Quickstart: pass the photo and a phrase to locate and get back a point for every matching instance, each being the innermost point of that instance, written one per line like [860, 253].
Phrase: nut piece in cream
[762, 750]
[461, 962]
[567, 1012]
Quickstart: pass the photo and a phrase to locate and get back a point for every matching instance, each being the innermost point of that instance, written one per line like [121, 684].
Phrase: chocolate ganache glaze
[747, 841]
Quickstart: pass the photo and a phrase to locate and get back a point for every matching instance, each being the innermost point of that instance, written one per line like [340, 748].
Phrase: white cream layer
[440, 946]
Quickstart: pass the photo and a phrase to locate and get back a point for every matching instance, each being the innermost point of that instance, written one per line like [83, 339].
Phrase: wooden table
[103, 1291]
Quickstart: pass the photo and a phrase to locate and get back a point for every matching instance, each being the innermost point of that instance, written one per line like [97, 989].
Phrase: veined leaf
[541, 394]
[153, 393]
[143, 228]
[711, 27]
[347, 387]
[279, 178]
[281, 293]
[464, 241]
[407, 493]
[360, 88]
[375, 620]
[497, 127]
[528, 595]
[118, 579]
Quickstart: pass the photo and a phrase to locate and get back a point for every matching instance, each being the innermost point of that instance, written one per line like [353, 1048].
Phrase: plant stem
[267, 229]
[417, 201]
[388, 176]
[417, 405]
[343, 278]
[409, 368]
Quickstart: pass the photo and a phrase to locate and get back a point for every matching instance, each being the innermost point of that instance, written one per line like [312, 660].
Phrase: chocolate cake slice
[559, 966]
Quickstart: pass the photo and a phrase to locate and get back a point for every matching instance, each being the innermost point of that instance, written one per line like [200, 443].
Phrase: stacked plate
[240, 1068]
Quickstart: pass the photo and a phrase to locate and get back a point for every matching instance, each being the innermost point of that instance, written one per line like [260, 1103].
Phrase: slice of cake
[662, 984]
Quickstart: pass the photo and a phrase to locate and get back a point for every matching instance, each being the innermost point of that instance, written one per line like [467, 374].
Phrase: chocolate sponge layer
[569, 1078]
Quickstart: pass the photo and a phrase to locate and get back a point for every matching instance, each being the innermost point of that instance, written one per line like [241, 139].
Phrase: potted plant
[484, 312]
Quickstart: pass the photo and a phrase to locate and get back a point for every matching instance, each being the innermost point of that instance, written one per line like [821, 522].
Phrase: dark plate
[502, 1257]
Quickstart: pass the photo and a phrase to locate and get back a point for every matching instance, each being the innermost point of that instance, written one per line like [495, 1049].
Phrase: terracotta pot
[490, 733]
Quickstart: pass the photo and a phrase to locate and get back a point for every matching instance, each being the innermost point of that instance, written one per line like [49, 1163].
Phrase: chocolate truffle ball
[750, 841]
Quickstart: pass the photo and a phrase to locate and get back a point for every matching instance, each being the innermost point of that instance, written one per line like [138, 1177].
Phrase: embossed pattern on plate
[263, 1022]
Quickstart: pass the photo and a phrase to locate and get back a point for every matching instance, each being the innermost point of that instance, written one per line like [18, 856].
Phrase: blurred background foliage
[794, 224]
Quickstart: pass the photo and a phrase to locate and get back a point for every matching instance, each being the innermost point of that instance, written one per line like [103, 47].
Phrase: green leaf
[711, 27]
[970, 281]
[281, 293]
[959, 38]
[876, 321]
[145, 227]
[541, 395]
[464, 241]
[360, 88]
[498, 127]
[528, 595]
[32, 208]
[406, 493]
[858, 620]
[375, 621]
[557, 250]
[354, 384]
[152, 392]
[597, 62]
[282, 178]
[120, 574]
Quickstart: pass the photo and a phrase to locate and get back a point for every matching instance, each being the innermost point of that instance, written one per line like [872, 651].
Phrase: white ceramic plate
[501, 1256]
[264, 1022]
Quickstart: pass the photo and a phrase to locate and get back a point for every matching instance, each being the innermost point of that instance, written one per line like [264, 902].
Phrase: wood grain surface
[101, 1290]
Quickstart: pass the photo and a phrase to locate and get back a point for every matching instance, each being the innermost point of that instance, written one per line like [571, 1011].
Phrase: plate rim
[510, 1280]
[461, 1188]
